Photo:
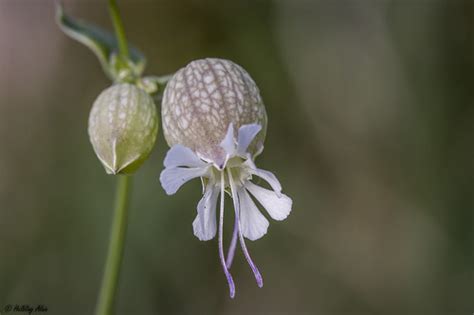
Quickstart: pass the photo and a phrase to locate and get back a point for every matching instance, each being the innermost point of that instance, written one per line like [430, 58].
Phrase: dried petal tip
[203, 99]
[123, 125]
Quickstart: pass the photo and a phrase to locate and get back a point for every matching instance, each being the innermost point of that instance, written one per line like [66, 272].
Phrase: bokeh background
[370, 132]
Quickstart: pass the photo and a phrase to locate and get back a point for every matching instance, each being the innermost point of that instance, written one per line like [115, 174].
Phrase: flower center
[238, 169]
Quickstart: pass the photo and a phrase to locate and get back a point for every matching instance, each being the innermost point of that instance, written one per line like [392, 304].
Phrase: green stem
[119, 29]
[110, 278]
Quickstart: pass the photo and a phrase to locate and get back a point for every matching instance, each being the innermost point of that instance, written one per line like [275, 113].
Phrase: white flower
[234, 176]
[202, 104]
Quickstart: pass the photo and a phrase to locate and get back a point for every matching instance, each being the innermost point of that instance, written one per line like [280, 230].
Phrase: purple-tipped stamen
[257, 274]
[230, 281]
[233, 245]
[236, 201]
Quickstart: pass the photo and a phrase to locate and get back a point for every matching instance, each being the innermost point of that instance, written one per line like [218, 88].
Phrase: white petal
[228, 144]
[179, 155]
[205, 225]
[174, 177]
[246, 135]
[278, 207]
[252, 222]
[266, 175]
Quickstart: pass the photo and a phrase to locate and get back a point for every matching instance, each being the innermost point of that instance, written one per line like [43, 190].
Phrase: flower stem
[110, 278]
[119, 29]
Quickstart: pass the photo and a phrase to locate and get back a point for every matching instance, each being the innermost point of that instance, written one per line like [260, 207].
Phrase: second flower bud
[123, 125]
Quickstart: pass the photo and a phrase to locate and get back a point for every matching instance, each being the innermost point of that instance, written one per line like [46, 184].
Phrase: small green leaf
[102, 43]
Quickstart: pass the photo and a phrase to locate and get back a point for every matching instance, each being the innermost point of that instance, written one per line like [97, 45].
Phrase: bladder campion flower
[123, 125]
[215, 122]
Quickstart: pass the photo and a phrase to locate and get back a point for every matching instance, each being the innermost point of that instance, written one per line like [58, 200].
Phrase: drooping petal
[173, 178]
[179, 155]
[204, 225]
[228, 144]
[254, 225]
[246, 135]
[277, 207]
[265, 175]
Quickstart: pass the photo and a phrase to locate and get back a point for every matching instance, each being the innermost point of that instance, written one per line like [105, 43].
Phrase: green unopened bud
[203, 99]
[123, 125]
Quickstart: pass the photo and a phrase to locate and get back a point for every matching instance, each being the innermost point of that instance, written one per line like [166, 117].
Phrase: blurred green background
[370, 132]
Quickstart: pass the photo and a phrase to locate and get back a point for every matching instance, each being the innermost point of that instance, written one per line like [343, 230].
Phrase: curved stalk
[119, 29]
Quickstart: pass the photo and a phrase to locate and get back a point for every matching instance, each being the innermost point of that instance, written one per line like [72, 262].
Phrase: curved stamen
[233, 245]
[220, 241]
[236, 201]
